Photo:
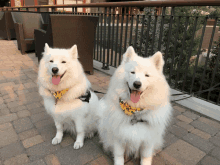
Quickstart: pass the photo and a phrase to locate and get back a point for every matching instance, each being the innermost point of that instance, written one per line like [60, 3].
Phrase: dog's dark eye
[146, 75]
[51, 60]
[63, 61]
[133, 72]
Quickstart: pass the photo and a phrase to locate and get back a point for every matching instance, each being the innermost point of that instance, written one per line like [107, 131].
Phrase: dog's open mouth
[135, 95]
[56, 78]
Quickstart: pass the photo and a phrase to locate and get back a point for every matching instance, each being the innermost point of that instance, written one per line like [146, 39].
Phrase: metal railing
[176, 28]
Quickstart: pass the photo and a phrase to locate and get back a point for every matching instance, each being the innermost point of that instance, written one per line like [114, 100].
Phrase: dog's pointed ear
[129, 54]
[157, 59]
[74, 52]
[46, 48]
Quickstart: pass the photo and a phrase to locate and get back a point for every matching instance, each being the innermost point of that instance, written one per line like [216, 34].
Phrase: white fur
[70, 113]
[115, 128]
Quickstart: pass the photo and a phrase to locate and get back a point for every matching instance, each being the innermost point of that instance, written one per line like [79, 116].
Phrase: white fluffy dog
[136, 109]
[66, 93]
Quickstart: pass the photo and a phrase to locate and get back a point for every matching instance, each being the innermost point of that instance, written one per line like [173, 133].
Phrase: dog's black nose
[55, 70]
[137, 84]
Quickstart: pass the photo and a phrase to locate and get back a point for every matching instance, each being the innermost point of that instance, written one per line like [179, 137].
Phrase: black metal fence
[183, 32]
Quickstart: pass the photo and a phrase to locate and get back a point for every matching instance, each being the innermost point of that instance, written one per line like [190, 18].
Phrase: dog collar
[128, 110]
[85, 98]
[59, 94]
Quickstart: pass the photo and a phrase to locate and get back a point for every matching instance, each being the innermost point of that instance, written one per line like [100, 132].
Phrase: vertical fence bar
[126, 29]
[190, 52]
[181, 53]
[97, 45]
[122, 24]
[174, 51]
[104, 38]
[155, 26]
[116, 44]
[198, 53]
[101, 38]
[113, 30]
[131, 28]
[169, 35]
[135, 40]
[161, 28]
[147, 34]
[209, 49]
[142, 31]
[109, 36]
[213, 74]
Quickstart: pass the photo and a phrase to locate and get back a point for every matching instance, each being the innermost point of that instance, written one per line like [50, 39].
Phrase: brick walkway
[26, 130]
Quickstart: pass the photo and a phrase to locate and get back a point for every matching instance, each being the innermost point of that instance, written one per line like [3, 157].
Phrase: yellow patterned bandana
[59, 94]
[128, 110]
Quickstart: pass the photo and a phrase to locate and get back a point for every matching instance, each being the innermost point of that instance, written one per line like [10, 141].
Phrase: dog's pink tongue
[135, 96]
[56, 80]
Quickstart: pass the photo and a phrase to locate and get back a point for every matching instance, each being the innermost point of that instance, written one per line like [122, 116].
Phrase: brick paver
[32, 141]
[52, 160]
[26, 130]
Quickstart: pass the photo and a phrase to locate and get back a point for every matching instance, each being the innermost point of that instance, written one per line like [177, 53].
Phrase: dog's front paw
[56, 140]
[78, 145]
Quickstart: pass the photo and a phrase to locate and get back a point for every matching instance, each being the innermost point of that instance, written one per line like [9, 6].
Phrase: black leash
[191, 95]
[198, 92]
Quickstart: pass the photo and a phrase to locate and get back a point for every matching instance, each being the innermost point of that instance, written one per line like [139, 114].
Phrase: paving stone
[40, 116]
[11, 150]
[30, 85]
[176, 112]
[204, 127]
[38, 162]
[23, 124]
[28, 134]
[35, 89]
[3, 106]
[184, 119]
[215, 140]
[37, 110]
[158, 160]
[218, 134]
[22, 91]
[191, 115]
[180, 109]
[32, 141]
[14, 104]
[7, 135]
[8, 118]
[198, 142]
[178, 131]
[17, 160]
[18, 108]
[210, 122]
[185, 126]
[216, 152]
[44, 123]
[102, 160]
[34, 105]
[67, 140]
[24, 113]
[182, 152]
[169, 139]
[208, 160]
[42, 149]
[201, 134]
[4, 111]
[69, 156]
[52, 160]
